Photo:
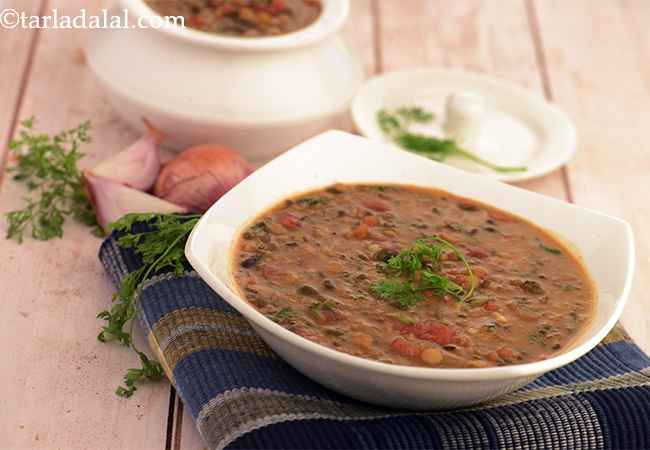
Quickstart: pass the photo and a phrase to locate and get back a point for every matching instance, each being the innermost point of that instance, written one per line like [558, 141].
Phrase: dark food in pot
[243, 18]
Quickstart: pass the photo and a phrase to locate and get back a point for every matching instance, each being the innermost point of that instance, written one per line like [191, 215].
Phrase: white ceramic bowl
[259, 96]
[604, 243]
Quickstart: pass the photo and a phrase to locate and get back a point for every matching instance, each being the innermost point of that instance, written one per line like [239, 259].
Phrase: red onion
[112, 200]
[200, 175]
[138, 165]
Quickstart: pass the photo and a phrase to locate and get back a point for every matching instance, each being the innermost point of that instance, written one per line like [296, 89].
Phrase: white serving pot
[260, 96]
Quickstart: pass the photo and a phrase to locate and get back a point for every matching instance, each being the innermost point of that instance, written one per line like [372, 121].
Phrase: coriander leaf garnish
[47, 166]
[420, 266]
[395, 125]
[421, 253]
[402, 294]
[442, 284]
[284, 314]
[161, 247]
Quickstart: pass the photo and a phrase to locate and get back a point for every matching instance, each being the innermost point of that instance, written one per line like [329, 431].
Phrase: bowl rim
[330, 21]
[258, 319]
[361, 118]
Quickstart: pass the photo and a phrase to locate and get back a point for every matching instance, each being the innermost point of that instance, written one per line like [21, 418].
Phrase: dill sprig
[47, 166]
[396, 124]
[161, 248]
[420, 266]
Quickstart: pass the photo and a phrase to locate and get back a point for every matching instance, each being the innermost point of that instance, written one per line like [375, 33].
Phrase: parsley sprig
[395, 125]
[47, 166]
[161, 248]
[420, 266]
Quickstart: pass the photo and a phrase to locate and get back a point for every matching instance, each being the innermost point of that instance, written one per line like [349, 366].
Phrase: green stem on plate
[497, 168]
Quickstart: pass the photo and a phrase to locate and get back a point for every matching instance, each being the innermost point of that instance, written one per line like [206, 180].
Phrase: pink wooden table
[58, 382]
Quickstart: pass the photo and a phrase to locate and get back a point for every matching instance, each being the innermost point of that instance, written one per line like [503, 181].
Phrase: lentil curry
[243, 18]
[411, 276]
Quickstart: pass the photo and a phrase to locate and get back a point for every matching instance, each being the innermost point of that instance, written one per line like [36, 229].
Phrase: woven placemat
[242, 395]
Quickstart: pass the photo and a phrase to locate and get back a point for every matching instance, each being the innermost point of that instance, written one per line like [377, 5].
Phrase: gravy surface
[413, 276]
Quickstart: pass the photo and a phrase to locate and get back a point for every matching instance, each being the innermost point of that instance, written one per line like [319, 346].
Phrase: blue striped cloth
[241, 395]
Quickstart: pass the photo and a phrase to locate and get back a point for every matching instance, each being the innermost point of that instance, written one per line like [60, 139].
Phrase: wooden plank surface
[597, 61]
[58, 380]
[16, 46]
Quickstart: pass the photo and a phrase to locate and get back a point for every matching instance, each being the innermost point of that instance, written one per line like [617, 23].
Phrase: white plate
[520, 128]
[605, 244]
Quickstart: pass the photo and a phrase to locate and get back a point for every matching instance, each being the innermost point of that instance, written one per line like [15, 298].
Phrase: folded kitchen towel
[241, 395]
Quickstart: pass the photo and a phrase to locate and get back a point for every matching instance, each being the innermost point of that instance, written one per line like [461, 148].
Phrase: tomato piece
[430, 331]
[276, 6]
[371, 221]
[441, 334]
[477, 253]
[227, 8]
[506, 353]
[404, 347]
[290, 221]
[376, 205]
[360, 231]
[429, 294]
[480, 272]
[491, 306]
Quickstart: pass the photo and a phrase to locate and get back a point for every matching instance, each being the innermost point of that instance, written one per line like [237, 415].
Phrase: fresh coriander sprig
[161, 247]
[396, 124]
[422, 258]
[47, 165]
